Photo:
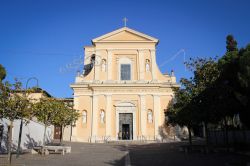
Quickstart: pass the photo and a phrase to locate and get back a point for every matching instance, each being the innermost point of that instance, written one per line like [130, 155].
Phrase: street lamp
[21, 124]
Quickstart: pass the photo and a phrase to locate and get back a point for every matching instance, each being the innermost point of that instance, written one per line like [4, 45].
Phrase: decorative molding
[124, 49]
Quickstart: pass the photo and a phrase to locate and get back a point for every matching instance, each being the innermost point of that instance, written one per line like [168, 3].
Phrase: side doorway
[57, 132]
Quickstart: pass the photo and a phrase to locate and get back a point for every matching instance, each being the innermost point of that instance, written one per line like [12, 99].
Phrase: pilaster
[97, 66]
[94, 118]
[157, 107]
[141, 64]
[108, 114]
[74, 129]
[143, 115]
[154, 65]
[109, 64]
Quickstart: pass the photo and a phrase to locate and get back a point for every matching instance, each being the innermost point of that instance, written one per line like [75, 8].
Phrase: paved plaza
[122, 154]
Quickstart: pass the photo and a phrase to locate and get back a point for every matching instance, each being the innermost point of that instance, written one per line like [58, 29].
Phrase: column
[142, 115]
[94, 120]
[97, 65]
[157, 107]
[141, 64]
[108, 115]
[154, 65]
[109, 63]
[74, 128]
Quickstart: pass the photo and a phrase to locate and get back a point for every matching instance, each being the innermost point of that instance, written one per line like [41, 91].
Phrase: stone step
[132, 142]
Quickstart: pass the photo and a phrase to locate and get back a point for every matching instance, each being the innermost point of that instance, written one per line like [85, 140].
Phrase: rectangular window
[125, 72]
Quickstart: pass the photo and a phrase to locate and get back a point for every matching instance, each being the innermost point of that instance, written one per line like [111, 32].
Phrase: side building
[32, 132]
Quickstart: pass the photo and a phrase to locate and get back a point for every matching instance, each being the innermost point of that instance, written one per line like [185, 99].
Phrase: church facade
[121, 94]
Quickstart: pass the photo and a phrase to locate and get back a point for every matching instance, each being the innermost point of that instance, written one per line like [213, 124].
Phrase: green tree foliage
[51, 111]
[2, 73]
[243, 94]
[13, 106]
[45, 111]
[65, 116]
[231, 44]
[235, 77]
[217, 92]
[179, 113]
[186, 111]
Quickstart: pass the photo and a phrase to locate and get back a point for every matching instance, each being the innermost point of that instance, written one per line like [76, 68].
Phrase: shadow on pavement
[170, 154]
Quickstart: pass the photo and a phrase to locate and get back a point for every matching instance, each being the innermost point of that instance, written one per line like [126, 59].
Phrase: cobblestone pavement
[115, 154]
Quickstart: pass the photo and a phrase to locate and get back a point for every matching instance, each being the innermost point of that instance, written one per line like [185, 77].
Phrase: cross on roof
[125, 21]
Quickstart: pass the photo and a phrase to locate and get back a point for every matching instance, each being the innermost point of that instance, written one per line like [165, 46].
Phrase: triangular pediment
[125, 35]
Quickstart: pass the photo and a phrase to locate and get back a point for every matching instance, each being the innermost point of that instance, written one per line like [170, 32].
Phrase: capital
[108, 95]
[152, 50]
[142, 95]
[109, 50]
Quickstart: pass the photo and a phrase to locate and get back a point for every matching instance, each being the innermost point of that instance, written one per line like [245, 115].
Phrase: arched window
[150, 116]
[84, 117]
[102, 116]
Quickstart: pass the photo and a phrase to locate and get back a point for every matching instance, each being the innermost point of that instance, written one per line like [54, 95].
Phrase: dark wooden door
[57, 132]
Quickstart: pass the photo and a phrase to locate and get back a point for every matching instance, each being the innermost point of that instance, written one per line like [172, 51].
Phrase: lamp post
[21, 123]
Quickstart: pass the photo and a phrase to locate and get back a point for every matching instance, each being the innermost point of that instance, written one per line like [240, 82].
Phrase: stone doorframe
[125, 107]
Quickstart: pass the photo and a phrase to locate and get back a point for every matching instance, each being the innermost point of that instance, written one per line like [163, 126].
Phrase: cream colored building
[121, 94]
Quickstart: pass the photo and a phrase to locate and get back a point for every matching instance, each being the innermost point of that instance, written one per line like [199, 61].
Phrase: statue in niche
[150, 116]
[84, 117]
[102, 116]
[104, 65]
[147, 65]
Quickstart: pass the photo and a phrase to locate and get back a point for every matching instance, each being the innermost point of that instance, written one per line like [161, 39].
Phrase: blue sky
[39, 38]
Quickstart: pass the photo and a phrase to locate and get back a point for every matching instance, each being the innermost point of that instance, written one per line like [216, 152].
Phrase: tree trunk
[19, 138]
[10, 141]
[206, 132]
[215, 134]
[244, 135]
[189, 135]
[227, 143]
[226, 135]
[1, 135]
[44, 138]
[61, 134]
[70, 132]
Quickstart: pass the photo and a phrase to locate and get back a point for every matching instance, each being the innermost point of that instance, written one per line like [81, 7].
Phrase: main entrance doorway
[126, 126]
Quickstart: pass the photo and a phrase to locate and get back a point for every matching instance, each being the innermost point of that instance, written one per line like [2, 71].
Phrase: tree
[229, 64]
[244, 82]
[185, 111]
[12, 106]
[45, 111]
[231, 44]
[217, 92]
[51, 111]
[235, 77]
[2, 73]
[65, 116]
[179, 113]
